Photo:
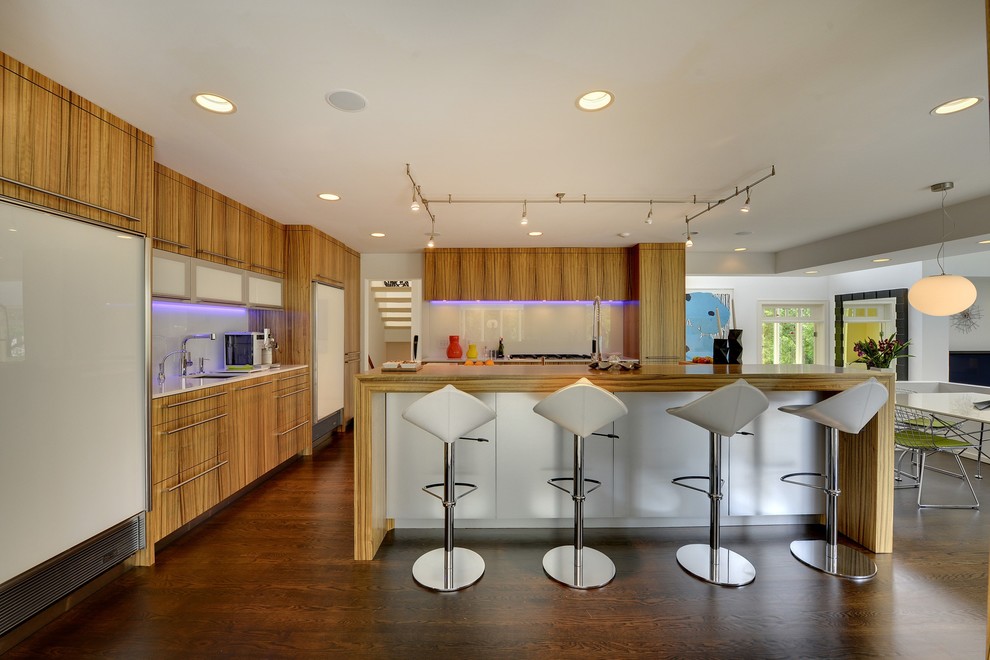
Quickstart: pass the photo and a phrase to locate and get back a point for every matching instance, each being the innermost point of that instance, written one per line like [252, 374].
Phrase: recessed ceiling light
[738, 249]
[346, 100]
[330, 197]
[984, 242]
[536, 233]
[956, 105]
[881, 260]
[810, 272]
[595, 100]
[623, 234]
[215, 103]
[378, 234]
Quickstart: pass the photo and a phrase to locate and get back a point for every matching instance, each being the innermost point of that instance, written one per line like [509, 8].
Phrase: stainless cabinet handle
[175, 243]
[129, 218]
[202, 398]
[251, 387]
[282, 396]
[222, 256]
[203, 473]
[189, 426]
[270, 270]
[293, 428]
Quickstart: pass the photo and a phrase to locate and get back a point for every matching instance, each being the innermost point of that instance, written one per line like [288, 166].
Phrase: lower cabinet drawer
[293, 440]
[193, 440]
[179, 499]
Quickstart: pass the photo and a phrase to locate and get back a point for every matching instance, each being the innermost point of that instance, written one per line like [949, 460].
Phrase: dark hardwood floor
[271, 576]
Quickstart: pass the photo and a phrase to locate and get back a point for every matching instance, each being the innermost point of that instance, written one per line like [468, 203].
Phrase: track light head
[414, 206]
[524, 220]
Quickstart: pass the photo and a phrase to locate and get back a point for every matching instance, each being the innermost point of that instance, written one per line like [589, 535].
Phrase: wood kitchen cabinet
[71, 155]
[293, 419]
[189, 458]
[267, 245]
[442, 267]
[473, 276]
[316, 256]
[254, 449]
[547, 280]
[655, 328]
[221, 229]
[174, 228]
[526, 274]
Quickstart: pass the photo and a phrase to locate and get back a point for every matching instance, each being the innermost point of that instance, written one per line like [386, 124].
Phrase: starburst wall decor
[967, 320]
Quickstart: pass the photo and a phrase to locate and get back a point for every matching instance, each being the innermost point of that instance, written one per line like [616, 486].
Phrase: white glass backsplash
[171, 321]
[525, 327]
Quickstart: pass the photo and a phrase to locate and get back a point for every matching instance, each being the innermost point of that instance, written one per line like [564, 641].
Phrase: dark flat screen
[970, 367]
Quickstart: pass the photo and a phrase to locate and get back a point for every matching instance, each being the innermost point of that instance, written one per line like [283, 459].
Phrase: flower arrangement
[880, 353]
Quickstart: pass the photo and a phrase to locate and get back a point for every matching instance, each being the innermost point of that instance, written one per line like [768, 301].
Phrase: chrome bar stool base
[466, 568]
[730, 569]
[838, 560]
[596, 569]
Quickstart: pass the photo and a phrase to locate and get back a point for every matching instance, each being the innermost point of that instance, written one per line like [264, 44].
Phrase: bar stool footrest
[677, 482]
[429, 488]
[788, 478]
[596, 482]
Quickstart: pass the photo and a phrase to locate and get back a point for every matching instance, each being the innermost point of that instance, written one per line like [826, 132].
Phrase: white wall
[978, 339]
[387, 266]
[749, 292]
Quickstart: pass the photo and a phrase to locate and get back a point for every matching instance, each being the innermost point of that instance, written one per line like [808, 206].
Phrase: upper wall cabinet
[222, 230]
[525, 274]
[62, 152]
[175, 212]
[267, 245]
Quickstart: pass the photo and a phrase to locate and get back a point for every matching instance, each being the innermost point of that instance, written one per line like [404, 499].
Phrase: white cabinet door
[264, 291]
[169, 275]
[218, 283]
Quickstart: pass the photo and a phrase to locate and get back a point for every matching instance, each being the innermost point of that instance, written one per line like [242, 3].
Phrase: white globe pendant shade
[942, 295]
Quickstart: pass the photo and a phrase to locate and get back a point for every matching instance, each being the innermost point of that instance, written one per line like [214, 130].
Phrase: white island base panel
[524, 450]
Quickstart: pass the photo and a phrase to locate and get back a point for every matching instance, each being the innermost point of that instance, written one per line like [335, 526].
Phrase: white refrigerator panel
[328, 350]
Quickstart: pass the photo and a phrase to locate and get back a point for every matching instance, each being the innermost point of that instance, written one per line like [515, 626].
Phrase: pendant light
[942, 294]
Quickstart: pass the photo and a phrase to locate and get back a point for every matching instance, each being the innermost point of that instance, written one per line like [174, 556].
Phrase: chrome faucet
[186, 362]
[161, 365]
[596, 330]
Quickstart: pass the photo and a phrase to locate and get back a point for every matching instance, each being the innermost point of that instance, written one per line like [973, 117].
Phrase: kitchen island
[865, 507]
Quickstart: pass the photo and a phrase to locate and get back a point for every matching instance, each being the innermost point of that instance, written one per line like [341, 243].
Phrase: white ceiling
[480, 99]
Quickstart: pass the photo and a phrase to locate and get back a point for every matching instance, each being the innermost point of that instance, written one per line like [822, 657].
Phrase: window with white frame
[793, 332]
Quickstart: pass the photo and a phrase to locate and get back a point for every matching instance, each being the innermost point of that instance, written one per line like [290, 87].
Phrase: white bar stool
[580, 408]
[848, 411]
[722, 413]
[448, 414]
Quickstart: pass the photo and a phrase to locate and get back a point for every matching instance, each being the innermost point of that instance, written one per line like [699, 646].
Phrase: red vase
[454, 351]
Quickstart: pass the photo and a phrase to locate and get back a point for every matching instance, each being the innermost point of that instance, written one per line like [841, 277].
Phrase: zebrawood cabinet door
[34, 140]
[174, 228]
[220, 229]
[253, 450]
[267, 245]
[76, 154]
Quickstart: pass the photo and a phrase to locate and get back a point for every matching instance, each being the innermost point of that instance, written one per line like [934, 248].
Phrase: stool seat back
[848, 411]
[581, 408]
[726, 410]
[448, 413]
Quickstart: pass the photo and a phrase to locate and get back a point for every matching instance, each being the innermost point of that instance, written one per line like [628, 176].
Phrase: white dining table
[955, 409]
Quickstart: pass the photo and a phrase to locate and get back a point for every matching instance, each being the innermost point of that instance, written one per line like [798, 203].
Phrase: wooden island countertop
[866, 459]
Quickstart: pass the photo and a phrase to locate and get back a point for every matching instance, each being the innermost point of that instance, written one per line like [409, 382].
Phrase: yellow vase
[472, 352]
